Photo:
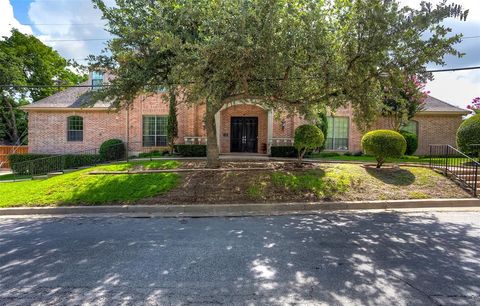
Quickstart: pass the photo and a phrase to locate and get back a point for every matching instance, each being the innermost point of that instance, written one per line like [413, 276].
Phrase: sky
[58, 22]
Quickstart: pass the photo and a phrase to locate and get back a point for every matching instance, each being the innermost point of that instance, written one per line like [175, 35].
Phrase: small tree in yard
[172, 124]
[384, 144]
[307, 137]
[475, 105]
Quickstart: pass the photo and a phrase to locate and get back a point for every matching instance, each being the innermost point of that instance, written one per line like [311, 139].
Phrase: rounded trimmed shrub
[469, 134]
[112, 149]
[412, 142]
[384, 144]
[307, 137]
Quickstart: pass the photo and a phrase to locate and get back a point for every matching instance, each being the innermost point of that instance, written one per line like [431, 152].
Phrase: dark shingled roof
[73, 97]
[435, 105]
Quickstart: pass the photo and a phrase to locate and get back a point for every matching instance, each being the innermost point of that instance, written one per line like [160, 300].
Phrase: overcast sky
[77, 19]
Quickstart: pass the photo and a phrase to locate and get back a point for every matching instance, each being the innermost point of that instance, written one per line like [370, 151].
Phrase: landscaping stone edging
[212, 210]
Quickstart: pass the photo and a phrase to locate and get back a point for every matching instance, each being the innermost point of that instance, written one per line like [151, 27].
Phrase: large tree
[26, 61]
[301, 56]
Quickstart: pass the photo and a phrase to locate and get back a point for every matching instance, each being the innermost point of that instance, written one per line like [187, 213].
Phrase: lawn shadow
[392, 176]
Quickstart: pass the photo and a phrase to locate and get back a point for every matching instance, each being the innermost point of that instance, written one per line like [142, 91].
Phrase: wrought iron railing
[59, 163]
[453, 162]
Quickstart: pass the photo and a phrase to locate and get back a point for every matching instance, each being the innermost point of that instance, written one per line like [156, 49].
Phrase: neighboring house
[60, 123]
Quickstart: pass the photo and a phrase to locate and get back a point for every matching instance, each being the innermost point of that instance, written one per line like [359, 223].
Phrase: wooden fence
[7, 150]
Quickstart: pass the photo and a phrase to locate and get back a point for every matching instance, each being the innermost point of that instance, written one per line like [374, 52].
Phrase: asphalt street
[429, 258]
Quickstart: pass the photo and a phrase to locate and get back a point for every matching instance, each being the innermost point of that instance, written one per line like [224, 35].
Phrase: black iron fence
[59, 163]
[453, 162]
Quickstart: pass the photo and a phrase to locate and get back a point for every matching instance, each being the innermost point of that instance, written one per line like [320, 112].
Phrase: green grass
[147, 165]
[367, 158]
[322, 183]
[9, 177]
[79, 187]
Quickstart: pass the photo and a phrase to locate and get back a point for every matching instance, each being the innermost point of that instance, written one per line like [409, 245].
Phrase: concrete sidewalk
[253, 209]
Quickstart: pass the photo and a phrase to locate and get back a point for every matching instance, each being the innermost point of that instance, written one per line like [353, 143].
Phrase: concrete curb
[217, 210]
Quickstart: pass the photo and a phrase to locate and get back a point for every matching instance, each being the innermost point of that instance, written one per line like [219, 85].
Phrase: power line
[454, 69]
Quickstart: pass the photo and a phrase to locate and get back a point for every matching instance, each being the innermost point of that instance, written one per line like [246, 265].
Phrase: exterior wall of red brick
[48, 128]
[432, 129]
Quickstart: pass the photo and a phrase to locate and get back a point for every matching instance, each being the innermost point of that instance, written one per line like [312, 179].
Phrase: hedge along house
[61, 123]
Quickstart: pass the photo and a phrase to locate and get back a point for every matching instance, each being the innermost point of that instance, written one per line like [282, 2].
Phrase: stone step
[39, 177]
[52, 174]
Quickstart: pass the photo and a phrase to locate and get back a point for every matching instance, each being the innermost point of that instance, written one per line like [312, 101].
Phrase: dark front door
[244, 134]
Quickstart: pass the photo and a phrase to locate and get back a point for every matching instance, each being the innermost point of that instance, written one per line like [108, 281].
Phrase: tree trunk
[380, 162]
[301, 153]
[213, 160]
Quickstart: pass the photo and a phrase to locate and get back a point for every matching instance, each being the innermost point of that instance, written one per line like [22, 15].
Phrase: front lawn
[367, 158]
[79, 187]
[266, 182]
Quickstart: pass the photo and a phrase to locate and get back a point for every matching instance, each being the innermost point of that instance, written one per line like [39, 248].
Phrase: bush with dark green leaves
[468, 135]
[307, 137]
[412, 142]
[283, 151]
[194, 150]
[383, 144]
[112, 149]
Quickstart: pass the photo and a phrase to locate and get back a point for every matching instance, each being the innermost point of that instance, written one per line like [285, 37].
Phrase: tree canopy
[300, 55]
[26, 61]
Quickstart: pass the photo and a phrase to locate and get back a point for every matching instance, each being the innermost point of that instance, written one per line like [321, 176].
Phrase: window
[154, 131]
[337, 133]
[97, 80]
[75, 128]
[411, 126]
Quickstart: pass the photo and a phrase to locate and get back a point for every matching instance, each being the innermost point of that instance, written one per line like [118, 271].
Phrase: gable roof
[434, 105]
[70, 98]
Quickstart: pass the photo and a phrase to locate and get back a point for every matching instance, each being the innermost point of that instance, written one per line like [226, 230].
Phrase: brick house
[60, 124]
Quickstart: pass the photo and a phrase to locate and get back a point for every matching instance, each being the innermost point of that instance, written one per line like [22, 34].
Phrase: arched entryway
[243, 128]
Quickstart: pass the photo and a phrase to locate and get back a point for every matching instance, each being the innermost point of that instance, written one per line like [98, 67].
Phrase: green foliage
[172, 124]
[37, 164]
[191, 150]
[25, 60]
[384, 144]
[82, 188]
[283, 151]
[408, 99]
[322, 124]
[412, 142]
[314, 54]
[468, 134]
[112, 149]
[307, 137]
